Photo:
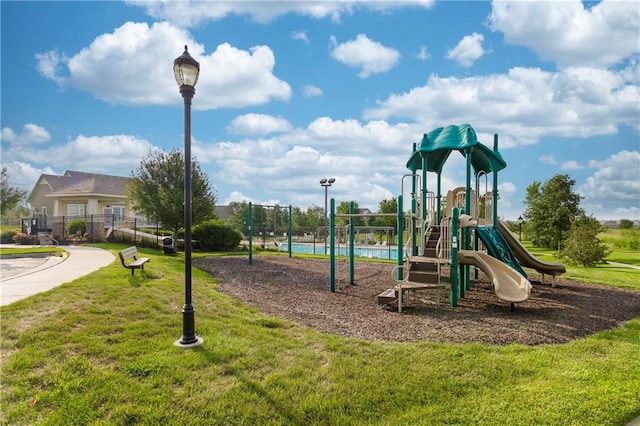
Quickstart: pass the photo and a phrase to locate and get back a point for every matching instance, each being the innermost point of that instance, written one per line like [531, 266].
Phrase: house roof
[82, 183]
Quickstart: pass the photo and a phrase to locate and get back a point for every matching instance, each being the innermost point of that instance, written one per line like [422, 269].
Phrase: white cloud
[300, 35]
[24, 175]
[193, 13]
[571, 165]
[525, 103]
[368, 55]
[423, 54]
[310, 91]
[258, 124]
[86, 152]
[292, 162]
[50, 63]
[569, 32]
[617, 179]
[133, 65]
[548, 159]
[31, 134]
[468, 50]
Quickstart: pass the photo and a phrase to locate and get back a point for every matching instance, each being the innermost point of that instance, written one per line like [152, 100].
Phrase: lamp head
[186, 69]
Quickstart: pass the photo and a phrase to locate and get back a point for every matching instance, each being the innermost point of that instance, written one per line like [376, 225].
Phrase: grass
[607, 274]
[18, 251]
[99, 350]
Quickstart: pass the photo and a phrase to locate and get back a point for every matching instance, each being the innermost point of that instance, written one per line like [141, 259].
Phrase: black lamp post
[326, 183]
[520, 220]
[186, 70]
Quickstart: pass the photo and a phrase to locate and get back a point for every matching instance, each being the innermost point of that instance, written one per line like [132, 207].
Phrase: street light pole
[326, 183]
[520, 220]
[186, 71]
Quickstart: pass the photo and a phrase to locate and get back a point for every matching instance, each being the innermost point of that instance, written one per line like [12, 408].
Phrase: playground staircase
[423, 273]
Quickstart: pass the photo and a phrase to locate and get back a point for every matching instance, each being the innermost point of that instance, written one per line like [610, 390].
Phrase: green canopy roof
[437, 145]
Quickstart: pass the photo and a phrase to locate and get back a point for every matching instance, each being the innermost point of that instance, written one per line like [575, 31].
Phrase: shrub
[77, 227]
[215, 235]
[583, 247]
[24, 239]
[7, 237]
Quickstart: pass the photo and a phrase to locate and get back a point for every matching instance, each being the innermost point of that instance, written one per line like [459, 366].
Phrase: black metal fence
[97, 227]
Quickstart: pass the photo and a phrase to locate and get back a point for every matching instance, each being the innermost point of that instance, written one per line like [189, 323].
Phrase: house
[80, 194]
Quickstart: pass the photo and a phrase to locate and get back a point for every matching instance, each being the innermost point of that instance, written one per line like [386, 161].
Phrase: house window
[44, 210]
[75, 210]
[113, 213]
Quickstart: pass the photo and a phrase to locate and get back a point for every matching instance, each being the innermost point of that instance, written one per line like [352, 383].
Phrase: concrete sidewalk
[38, 275]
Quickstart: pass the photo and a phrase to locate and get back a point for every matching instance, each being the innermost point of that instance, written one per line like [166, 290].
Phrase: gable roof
[91, 183]
[82, 183]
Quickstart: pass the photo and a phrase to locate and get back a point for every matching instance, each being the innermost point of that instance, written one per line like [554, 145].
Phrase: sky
[292, 92]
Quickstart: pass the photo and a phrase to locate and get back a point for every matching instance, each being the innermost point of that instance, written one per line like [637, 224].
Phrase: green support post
[351, 241]
[414, 212]
[250, 224]
[494, 204]
[466, 232]
[454, 258]
[439, 199]
[332, 247]
[290, 229]
[400, 227]
[423, 195]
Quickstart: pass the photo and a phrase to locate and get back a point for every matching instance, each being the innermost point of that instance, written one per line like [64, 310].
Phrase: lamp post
[326, 183]
[186, 71]
[520, 220]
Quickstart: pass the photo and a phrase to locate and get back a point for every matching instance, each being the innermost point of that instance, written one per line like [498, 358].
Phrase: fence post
[351, 241]
[400, 254]
[290, 229]
[250, 223]
[332, 247]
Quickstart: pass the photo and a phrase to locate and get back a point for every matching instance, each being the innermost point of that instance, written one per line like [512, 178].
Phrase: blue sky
[292, 92]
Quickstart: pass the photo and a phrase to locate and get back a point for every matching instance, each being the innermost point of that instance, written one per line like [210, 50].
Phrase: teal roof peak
[438, 144]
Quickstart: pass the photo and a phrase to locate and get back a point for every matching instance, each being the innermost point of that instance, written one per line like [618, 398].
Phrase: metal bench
[132, 253]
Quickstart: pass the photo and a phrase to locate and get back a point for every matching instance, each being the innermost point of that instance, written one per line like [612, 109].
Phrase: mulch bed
[298, 290]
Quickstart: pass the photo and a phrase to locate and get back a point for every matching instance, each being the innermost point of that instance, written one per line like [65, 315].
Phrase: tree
[550, 210]
[343, 208]
[625, 224]
[582, 246]
[157, 190]
[10, 195]
[387, 206]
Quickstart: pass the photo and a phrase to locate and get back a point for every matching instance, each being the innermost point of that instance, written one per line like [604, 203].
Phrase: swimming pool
[377, 252]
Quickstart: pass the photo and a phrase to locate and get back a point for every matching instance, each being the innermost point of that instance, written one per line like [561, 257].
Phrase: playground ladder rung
[424, 259]
[413, 285]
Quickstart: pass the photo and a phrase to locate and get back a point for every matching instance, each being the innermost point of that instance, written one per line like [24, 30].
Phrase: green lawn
[99, 350]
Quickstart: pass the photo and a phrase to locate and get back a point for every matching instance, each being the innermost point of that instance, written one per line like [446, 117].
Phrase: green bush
[215, 235]
[77, 227]
[7, 237]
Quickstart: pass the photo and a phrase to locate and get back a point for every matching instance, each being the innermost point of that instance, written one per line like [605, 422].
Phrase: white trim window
[75, 210]
[113, 212]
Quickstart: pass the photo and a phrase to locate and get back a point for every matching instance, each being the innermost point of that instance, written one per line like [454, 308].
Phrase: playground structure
[469, 235]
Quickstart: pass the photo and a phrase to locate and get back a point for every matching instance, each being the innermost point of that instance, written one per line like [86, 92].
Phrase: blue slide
[497, 247]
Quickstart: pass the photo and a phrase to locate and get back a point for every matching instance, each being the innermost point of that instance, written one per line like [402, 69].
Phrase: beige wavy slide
[508, 284]
[525, 258]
